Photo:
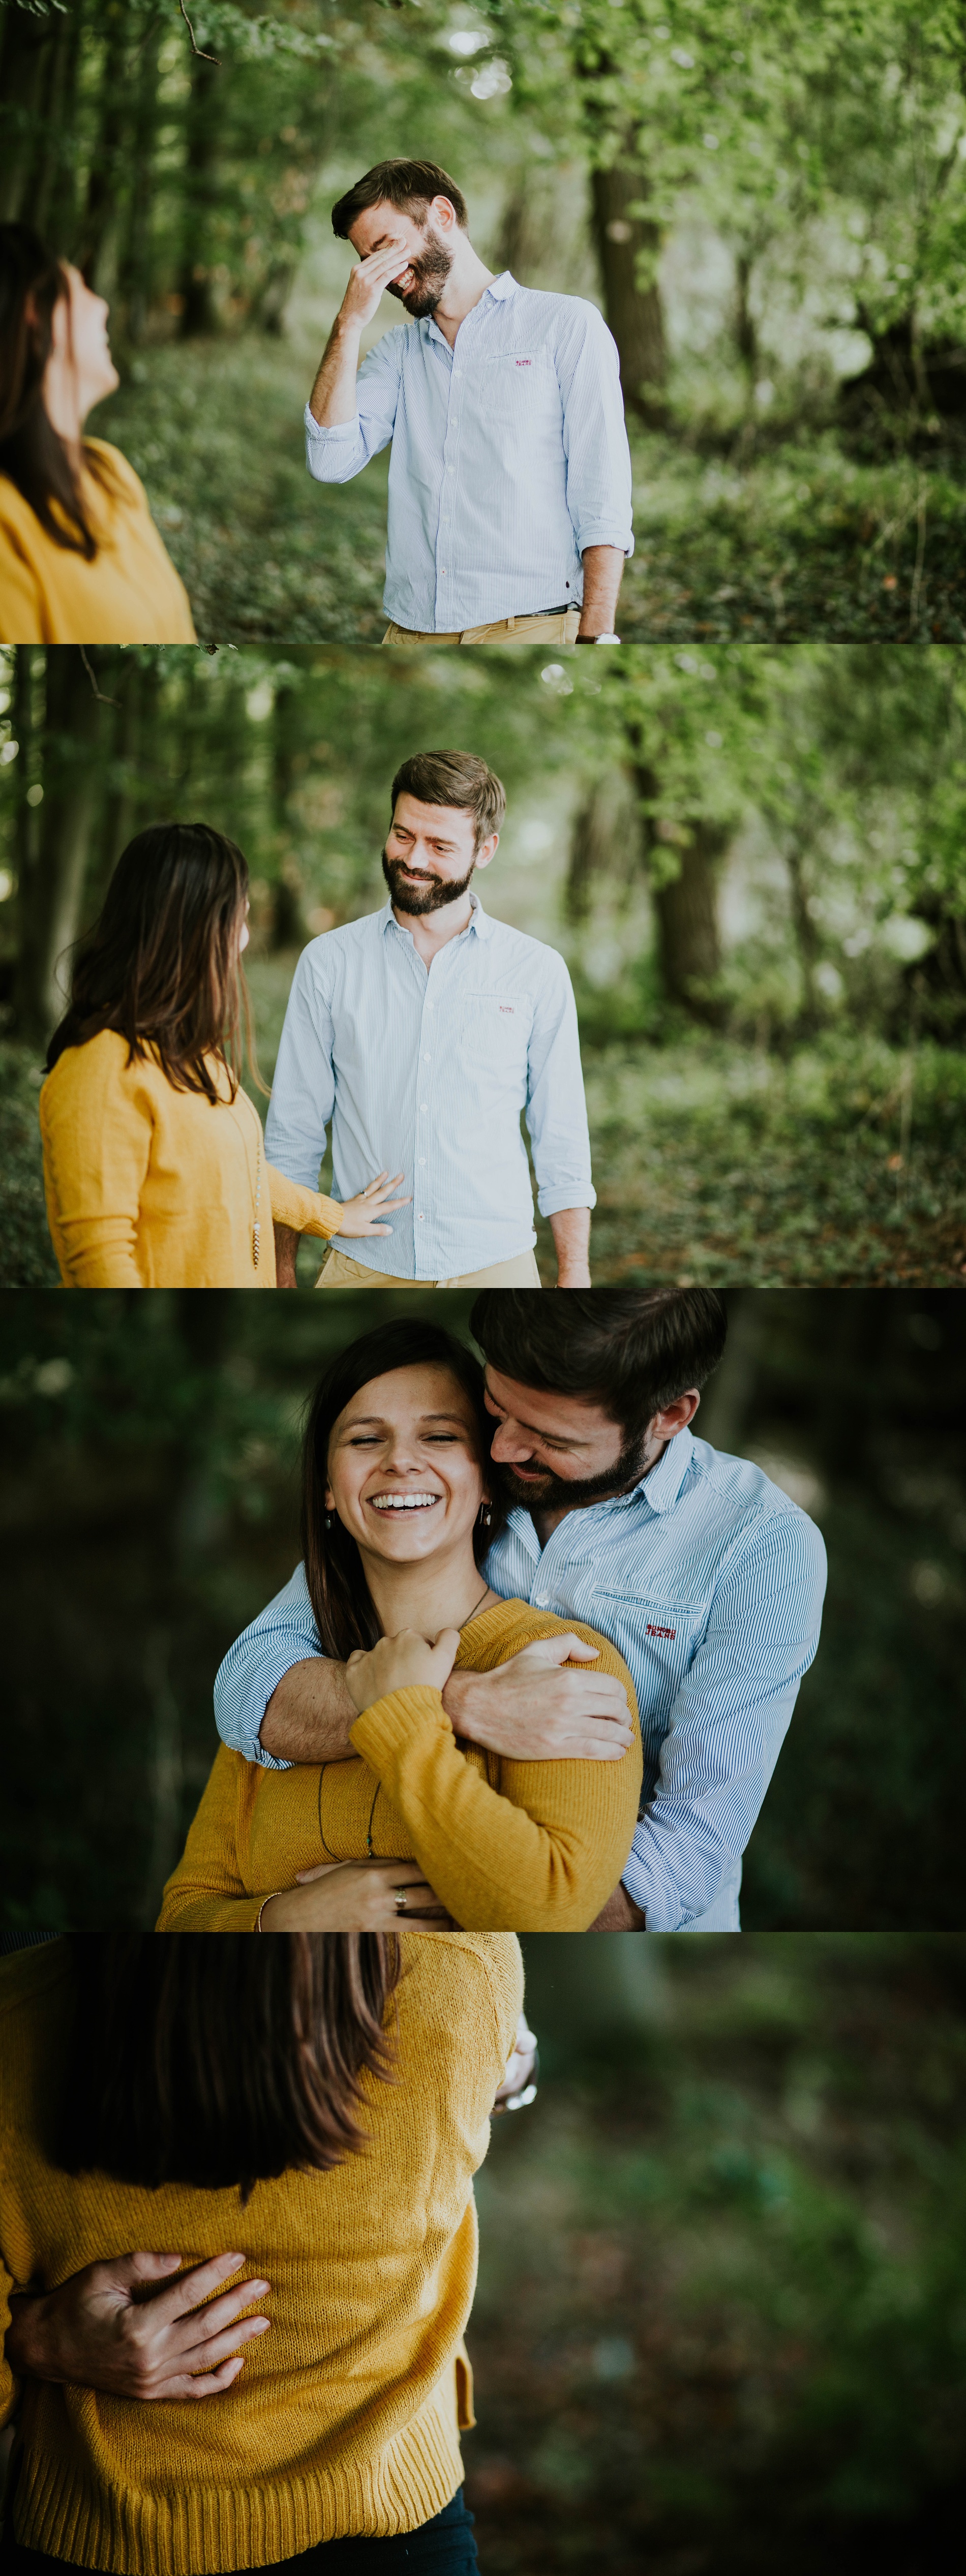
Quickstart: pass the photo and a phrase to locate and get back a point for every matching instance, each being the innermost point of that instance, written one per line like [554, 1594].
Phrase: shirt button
[422, 1108]
[422, 1162]
[421, 1219]
[427, 1059]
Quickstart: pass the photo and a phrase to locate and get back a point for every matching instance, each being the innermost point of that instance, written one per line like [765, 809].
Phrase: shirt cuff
[658, 1916]
[603, 537]
[341, 429]
[580, 1194]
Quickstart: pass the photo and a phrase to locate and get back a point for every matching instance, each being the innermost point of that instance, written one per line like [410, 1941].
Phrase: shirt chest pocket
[656, 1636]
[494, 1036]
[518, 393]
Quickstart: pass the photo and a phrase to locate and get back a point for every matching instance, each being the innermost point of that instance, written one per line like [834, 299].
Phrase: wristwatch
[597, 639]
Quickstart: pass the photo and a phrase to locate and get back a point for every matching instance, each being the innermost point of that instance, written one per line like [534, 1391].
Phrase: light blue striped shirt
[509, 456]
[711, 1582]
[424, 1071]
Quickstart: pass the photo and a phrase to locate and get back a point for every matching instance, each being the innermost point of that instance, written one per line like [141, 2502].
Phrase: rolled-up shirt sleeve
[303, 1084]
[283, 1634]
[597, 455]
[556, 1111]
[729, 1722]
[335, 455]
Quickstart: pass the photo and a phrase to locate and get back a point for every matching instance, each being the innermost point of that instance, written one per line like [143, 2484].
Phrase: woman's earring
[328, 1520]
[485, 1515]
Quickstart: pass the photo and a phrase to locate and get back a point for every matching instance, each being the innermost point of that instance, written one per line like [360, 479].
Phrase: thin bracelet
[266, 1900]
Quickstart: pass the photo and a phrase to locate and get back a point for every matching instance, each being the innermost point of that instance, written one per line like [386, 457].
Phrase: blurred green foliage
[149, 1449]
[719, 2323]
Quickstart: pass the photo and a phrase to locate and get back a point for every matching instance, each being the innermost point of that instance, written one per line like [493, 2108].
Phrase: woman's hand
[360, 1215]
[357, 1896]
[401, 1663]
[519, 2083]
[95, 2331]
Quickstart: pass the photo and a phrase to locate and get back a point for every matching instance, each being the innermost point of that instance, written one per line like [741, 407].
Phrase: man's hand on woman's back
[107, 2328]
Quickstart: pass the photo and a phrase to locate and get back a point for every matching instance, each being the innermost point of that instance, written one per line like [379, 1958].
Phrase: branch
[92, 676]
[196, 49]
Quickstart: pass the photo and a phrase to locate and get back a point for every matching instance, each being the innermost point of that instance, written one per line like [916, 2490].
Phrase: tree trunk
[603, 843]
[23, 727]
[686, 910]
[198, 314]
[805, 936]
[51, 896]
[110, 155]
[50, 204]
[633, 311]
[128, 802]
[746, 336]
[26, 45]
[288, 918]
[134, 278]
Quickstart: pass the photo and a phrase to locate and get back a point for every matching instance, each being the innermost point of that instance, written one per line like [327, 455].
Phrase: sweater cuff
[306, 1211]
[392, 1722]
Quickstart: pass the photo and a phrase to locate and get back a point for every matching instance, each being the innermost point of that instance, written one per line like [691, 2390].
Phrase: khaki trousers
[340, 1271]
[559, 628]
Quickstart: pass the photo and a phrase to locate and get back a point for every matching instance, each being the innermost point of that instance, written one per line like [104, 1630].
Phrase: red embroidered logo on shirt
[660, 1632]
[508, 1007]
[524, 362]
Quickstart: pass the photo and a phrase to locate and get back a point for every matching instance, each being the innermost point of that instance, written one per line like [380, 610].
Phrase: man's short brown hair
[454, 778]
[410, 186]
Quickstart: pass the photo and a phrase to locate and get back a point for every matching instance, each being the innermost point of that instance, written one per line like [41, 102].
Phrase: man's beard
[550, 1493]
[430, 272]
[430, 896]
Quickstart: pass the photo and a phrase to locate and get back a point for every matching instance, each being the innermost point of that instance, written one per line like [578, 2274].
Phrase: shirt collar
[501, 288]
[660, 1489]
[662, 1486]
[478, 920]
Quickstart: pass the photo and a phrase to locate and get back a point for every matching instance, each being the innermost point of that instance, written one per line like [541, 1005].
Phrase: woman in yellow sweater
[81, 561]
[318, 2108]
[399, 1508]
[154, 1165]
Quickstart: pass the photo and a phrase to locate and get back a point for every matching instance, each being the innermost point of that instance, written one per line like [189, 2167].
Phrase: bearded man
[510, 475]
[422, 1031]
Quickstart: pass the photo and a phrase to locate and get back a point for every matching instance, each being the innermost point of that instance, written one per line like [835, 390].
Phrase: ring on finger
[402, 1900]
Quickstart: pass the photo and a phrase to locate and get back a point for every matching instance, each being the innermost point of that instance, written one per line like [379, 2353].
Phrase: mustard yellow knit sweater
[508, 1846]
[130, 594]
[345, 2417]
[149, 1187]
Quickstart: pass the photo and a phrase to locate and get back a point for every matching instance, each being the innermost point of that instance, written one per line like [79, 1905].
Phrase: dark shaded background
[149, 1449]
[719, 2326]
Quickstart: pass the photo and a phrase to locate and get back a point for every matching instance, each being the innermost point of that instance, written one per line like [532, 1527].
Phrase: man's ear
[676, 1416]
[487, 850]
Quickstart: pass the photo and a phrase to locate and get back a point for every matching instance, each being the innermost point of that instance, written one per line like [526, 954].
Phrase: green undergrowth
[711, 1161]
[719, 1163]
[767, 542]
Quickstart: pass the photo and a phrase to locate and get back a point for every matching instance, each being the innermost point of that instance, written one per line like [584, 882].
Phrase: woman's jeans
[443, 2547]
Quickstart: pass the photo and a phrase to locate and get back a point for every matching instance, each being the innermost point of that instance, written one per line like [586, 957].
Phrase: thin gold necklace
[471, 1614]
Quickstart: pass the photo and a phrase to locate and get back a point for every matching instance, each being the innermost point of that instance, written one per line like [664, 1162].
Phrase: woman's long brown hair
[341, 1600]
[162, 965]
[32, 453]
[222, 2060]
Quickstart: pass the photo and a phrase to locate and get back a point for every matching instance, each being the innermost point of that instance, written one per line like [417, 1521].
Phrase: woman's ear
[329, 1499]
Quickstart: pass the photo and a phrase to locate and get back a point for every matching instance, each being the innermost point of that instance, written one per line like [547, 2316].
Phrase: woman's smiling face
[404, 1471]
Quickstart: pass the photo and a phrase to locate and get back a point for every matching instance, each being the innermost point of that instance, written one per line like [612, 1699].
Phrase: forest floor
[705, 2340]
[712, 1162]
[765, 542]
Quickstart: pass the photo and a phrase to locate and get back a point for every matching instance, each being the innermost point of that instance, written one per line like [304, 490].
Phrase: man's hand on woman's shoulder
[530, 1710]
